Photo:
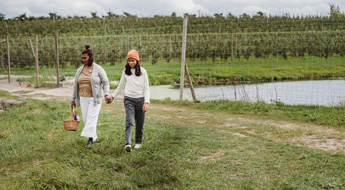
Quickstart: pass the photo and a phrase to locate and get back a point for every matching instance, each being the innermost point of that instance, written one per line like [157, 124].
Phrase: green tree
[21, 17]
[2, 16]
[111, 14]
[94, 14]
[335, 11]
[54, 16]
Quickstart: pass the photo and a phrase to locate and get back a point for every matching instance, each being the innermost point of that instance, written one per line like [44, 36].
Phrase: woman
[137, 98]
[89, 80]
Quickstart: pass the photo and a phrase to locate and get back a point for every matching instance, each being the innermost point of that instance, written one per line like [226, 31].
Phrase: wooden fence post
[57, 59]
[140, 41]
[170, 49]
[127, 42]
[16, 28]
[232, 48]
[1, 60]
[6, 27]
[184, 67]
[8, 59]
[32, 48]
[236, 46]
[183, 55]
[190, 82]
[36, 59]
[2, 64]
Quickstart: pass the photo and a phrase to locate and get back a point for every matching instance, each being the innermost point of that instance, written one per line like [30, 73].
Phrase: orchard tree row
[113, 24]
[164, 48]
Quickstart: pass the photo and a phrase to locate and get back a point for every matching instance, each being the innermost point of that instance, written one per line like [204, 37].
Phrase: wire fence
[284, 66]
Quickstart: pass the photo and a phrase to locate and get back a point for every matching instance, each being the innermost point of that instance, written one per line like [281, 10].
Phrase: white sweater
[136, 86]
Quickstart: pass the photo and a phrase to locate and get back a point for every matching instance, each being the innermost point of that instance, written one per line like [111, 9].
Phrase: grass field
[186, 146]
[212, 73]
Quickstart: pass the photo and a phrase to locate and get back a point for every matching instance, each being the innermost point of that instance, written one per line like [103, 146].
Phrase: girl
[89, 80]
[137, 98]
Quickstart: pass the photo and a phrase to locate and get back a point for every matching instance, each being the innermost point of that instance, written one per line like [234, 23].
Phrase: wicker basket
[71, 125]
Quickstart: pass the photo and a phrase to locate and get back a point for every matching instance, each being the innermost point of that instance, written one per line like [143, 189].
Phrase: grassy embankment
[182, 153]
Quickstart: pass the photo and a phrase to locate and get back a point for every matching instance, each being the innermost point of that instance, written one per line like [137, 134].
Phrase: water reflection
[321, 92]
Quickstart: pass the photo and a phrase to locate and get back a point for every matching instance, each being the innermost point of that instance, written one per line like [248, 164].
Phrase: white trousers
[90, 114]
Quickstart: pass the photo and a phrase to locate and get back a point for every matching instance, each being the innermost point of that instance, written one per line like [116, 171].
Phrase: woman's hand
[146, 107]
[72, 104]
[108, 99]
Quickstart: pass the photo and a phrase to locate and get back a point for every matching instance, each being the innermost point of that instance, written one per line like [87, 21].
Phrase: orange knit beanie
[133, 54]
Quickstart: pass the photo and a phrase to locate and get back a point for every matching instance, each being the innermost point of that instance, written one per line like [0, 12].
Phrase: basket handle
[70, 115]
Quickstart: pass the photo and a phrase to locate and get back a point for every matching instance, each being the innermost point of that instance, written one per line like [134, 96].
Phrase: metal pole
[183, 55]
[57, 59]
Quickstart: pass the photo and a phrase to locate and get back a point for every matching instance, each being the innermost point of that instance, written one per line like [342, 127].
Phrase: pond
[316, 92]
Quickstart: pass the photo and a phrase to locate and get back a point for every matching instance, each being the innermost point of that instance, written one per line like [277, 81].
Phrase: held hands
[146, 107]
[108, 99]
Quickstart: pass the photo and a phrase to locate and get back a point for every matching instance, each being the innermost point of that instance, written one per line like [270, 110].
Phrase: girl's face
[132, 62]
[85, 58]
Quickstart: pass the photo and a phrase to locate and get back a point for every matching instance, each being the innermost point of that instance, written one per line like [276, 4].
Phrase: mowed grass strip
[207, 72]
[37, 153]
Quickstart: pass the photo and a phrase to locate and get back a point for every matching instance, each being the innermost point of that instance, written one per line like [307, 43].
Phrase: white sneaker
[128, 148]
[137, 146]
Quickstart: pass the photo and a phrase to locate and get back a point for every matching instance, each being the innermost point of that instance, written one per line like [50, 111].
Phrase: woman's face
[132, 62]
[85, 59]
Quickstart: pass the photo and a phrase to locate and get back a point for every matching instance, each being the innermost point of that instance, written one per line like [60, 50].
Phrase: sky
[147, 8]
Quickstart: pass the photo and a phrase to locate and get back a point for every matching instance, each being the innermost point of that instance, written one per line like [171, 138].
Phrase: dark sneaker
[89, 143]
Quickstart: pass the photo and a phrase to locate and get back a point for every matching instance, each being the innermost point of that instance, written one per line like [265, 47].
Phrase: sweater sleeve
[146, 88]
[105, 81]
[120, 86]
[75, 86]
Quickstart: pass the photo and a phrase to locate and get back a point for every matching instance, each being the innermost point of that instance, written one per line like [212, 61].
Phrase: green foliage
[2, 17]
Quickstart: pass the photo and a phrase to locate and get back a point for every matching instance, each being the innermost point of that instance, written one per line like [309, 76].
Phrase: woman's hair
[136, 67]
[89, 53]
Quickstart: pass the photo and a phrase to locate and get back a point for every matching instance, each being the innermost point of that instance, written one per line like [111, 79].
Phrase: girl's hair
[136, 67]
[89, 53]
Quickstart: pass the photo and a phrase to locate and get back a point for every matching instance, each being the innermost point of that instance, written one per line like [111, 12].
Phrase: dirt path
[294, 133]
[26, 89]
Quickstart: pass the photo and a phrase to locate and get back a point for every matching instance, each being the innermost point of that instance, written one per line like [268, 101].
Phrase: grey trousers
[134, 111]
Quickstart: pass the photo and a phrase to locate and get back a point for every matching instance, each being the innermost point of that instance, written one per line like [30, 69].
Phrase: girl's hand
[146, 107]
[108, 100]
